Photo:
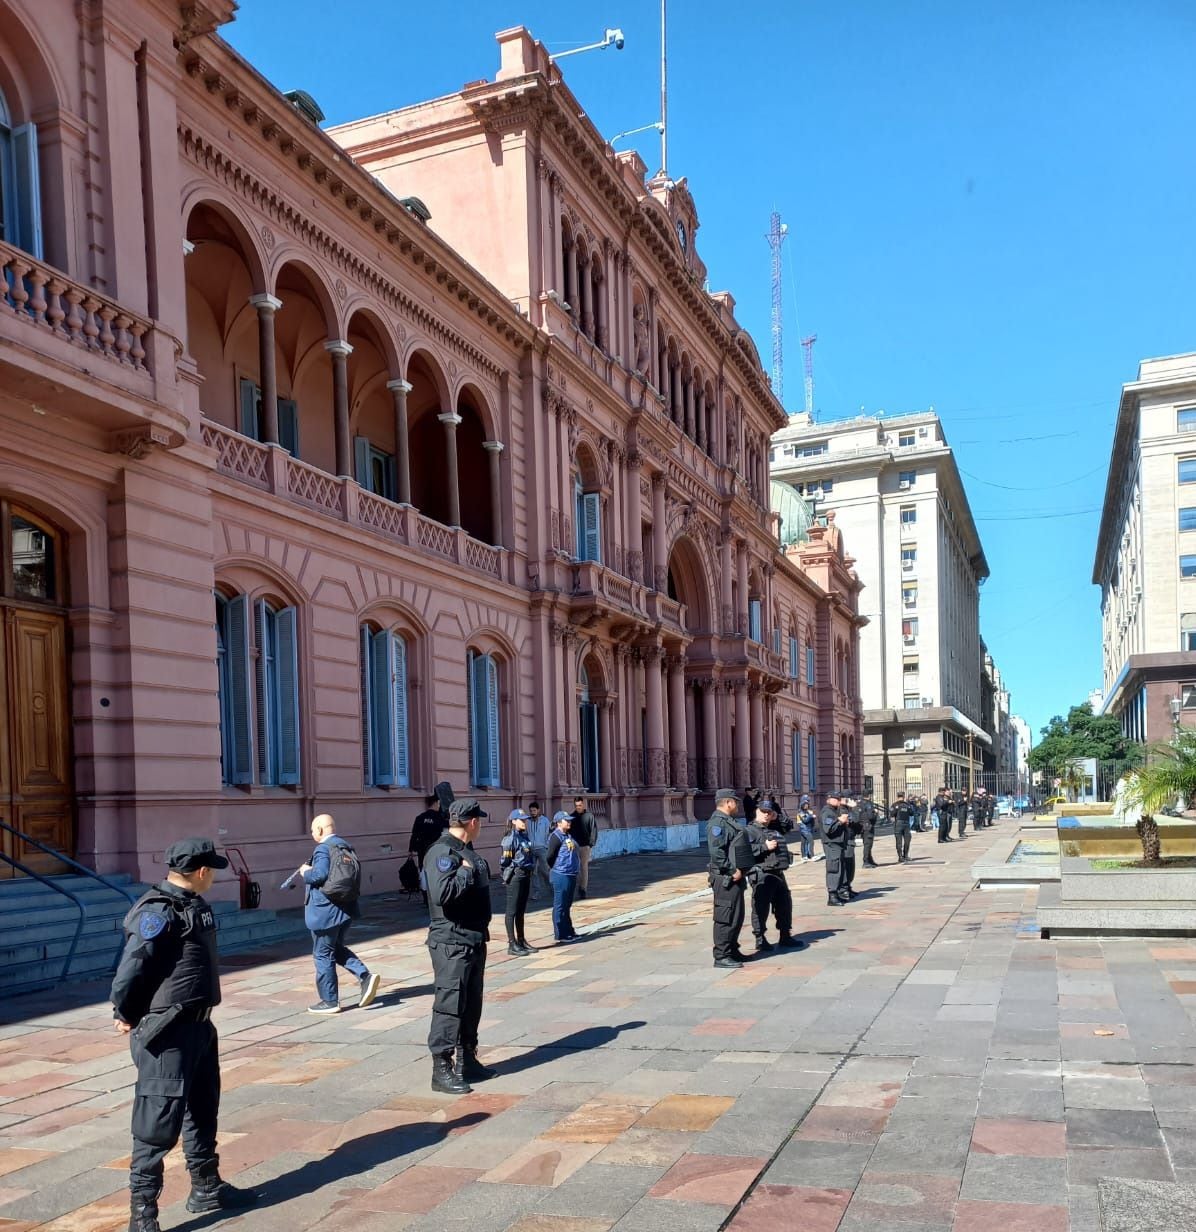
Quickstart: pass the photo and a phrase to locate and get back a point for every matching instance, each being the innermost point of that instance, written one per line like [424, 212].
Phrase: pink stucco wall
[206, 188]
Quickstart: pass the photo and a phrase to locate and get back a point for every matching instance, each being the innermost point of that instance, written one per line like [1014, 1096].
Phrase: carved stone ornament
[141, 442]
[267, 236]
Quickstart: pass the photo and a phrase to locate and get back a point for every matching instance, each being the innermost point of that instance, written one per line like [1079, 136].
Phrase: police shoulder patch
[716, 830]
[150, 924]
[444, 863]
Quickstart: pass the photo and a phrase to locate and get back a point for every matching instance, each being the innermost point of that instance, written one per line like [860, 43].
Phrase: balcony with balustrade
[79, 355]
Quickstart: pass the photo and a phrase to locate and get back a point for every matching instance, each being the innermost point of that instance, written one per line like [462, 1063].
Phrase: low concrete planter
[1080, 882]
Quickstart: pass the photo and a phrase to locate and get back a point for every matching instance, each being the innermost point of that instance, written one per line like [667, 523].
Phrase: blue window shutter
[381, 692]
[241, 698]
[776, 640]
[250, 398]
[579, 521]
[809, 665]
[367, 718]
[797, 759]
[494, 775]
[793, 657]
[362, 470]
[287, 653]
[591, 508]
[265, 695]
[478, 756]
[402, 740]
[812, 760]
[288, 426]
[28, 189]
[754, 619]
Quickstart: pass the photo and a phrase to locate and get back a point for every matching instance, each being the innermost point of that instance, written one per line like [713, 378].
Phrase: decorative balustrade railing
[272, 469]
[49, 300]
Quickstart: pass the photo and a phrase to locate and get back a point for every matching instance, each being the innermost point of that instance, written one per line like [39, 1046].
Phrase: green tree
[1168, 775]
[1083, 734]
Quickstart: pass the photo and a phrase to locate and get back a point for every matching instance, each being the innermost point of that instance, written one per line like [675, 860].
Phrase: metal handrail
[70, 954]
[81, 868]
[58, 855]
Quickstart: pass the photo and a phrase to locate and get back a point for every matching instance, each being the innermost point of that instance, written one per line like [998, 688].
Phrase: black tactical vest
[194, 976]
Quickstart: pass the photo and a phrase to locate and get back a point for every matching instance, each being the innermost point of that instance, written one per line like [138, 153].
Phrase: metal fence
[1086, 781]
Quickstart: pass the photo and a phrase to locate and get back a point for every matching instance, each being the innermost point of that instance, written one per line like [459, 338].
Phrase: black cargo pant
[901, 834]
[944, 826]
[771, 894]
[834, 869]
[458, 972]
[177, 1091]
[868, 833]
[848, 866]
[728, 915]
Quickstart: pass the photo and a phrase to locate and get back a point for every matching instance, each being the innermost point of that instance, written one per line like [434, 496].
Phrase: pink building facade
[310, 501]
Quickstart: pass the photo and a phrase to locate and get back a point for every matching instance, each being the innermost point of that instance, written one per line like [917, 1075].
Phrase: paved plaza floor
[927, 1063]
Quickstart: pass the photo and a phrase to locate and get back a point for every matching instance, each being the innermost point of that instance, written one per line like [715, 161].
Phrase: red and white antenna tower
[776, 237]
[807, 346]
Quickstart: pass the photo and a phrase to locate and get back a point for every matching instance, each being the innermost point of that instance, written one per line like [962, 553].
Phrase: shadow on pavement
[351, 1158]
[578, 1041]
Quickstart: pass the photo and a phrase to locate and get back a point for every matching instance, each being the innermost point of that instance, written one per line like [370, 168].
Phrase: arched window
[30, 557]
[385, 734]
[810, 658]
[587, 511]
[484, 726]
[794, 654]
[587, 713]
[20, 191]
[258, 684]
[755, 610]
[796, 758]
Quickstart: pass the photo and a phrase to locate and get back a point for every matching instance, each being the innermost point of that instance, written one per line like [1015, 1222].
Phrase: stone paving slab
[928, 1062]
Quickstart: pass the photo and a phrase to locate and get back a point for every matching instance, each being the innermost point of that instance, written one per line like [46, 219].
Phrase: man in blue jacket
[329, 925]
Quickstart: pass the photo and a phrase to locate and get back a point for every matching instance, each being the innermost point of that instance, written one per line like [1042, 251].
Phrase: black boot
[444, 1079]
[762, 943]
[210, 1193]
[833, 900]
[513, 947]
[523, 945]
[790, 942]
[470, 1069]
[143, 1214]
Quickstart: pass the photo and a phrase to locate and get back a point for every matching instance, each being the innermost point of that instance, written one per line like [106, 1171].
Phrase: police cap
[189, 855]
[466, 810]
[725, 793]
[518, 815]
[767, 806]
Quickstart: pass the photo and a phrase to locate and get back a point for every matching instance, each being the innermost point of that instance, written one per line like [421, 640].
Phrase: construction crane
[807, 346]
[776, 237]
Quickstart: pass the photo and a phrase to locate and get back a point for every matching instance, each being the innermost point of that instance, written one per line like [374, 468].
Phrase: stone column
[450, 421]
[399, 391]
[709, 772]
[653, 342]
[633, 517]
[741, 757]
[678, 755]
[742, 567]
[585, 297]
[267, 306]
[660, 570]
[340, 352]
[700, 418]
[756, 696]
[688, 394]
[494, 450]
[693, 771]
[726, 570]
[574, 300]
[654, 704]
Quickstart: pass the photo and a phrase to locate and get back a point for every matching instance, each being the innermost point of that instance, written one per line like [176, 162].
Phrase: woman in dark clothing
[564, 861]
[518, 864]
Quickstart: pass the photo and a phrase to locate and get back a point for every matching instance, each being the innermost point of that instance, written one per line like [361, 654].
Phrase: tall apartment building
[1146, 553]
[892, 487]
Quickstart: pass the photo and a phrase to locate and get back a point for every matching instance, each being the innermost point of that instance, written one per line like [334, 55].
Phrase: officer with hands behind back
[834, 829]
[162, 998]
[459, 903]
[770, 891]
[731, 858]
[902, 813]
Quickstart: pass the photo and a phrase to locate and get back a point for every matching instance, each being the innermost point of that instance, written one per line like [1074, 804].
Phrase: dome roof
[796, 517]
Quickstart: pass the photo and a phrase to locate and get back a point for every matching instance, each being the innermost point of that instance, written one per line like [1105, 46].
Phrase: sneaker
[369, 990]
[324, 1007]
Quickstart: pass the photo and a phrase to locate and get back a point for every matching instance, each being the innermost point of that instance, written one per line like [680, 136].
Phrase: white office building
[895, 492]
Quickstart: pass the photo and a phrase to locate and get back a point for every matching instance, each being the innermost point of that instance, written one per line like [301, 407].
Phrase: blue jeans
[564, 887]
[329, 949]
[807, 846]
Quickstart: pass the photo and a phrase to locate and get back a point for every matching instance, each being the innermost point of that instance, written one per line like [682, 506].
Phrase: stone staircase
[37, 924]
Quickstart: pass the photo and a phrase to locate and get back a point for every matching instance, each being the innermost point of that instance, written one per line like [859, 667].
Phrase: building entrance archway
[36, 783]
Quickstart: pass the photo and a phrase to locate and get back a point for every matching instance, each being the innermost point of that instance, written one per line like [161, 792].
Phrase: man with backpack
[330, 905]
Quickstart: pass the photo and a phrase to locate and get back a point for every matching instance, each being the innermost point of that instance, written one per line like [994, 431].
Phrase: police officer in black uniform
[902, 814]
[731, 858]
[162, 998]
[868, 820]
[852, 804]
[944, 807]
[459, 902]
[834, 830]
[770, 890]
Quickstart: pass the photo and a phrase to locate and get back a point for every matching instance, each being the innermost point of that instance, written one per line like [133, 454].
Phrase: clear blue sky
[990, 212]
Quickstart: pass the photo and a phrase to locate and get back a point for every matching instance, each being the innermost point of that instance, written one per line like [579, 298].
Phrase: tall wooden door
[36, 789]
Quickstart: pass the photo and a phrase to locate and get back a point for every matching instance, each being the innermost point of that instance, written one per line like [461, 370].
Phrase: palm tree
[1169, 775]
[1071, 780]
